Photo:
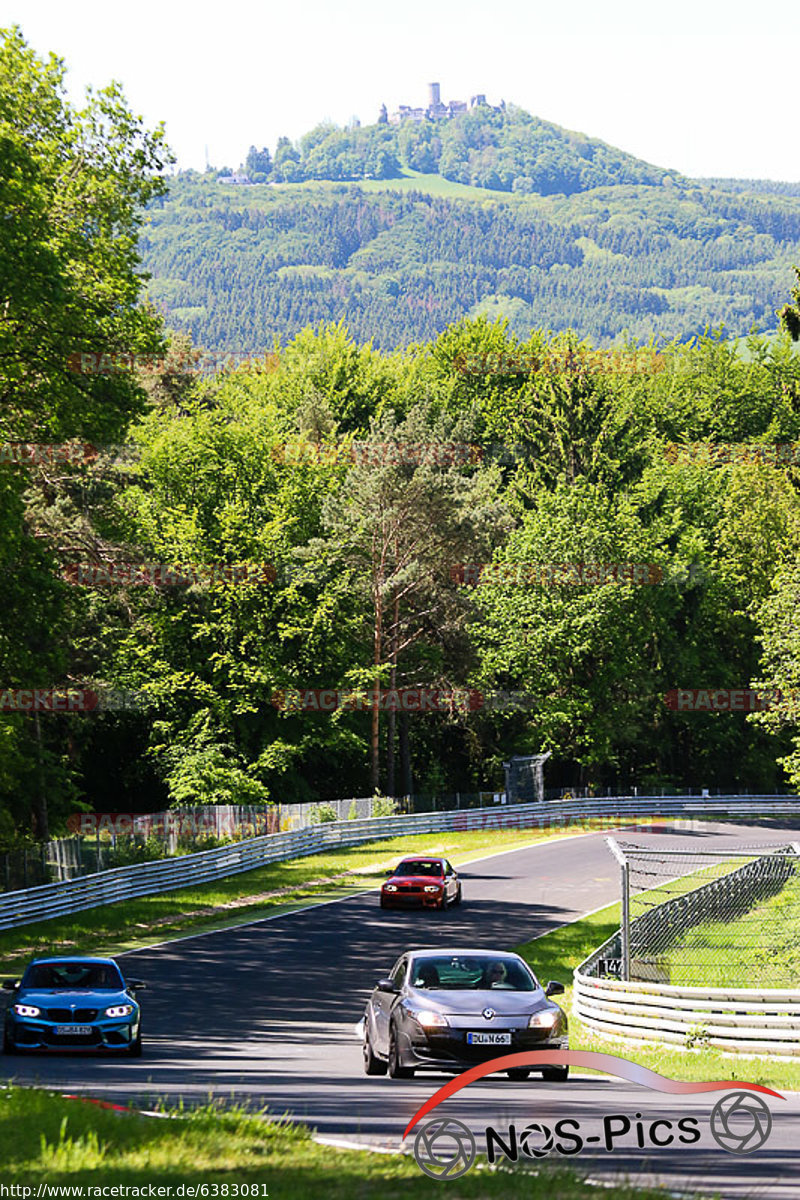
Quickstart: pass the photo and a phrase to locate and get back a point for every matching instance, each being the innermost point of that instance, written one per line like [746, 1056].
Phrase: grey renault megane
[447, 1010]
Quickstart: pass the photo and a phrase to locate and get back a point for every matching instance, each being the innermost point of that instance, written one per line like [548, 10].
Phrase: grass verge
[47, 1139]
[760, 949]
[556, 955]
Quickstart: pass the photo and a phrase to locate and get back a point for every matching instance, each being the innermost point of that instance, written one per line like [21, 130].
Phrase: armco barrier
[743, 1020]
[145, 879]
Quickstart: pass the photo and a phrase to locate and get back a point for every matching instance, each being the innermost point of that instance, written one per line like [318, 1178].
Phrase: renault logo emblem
[488, 1013]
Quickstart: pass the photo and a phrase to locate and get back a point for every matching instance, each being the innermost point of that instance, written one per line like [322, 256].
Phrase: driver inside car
[495, 975]
[427, 976]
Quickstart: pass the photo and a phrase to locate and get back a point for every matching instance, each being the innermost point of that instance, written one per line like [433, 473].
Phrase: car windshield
[456, 972]
[73, 976]
[419, 866]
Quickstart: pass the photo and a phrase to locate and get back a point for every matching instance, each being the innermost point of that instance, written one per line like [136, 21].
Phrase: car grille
[409, 887]
[443, 1046]
[78, 1016]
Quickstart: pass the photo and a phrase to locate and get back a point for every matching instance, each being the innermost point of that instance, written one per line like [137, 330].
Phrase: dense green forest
[239, 267]
[322, 520]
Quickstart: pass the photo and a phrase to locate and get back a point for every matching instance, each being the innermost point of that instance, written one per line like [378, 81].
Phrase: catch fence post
[625, 919]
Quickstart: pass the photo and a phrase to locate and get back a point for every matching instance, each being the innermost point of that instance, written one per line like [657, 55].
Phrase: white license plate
[73, 1030]
[488, 1039]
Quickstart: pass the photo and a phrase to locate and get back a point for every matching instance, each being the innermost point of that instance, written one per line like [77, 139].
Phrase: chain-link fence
[718, 918]
[104, 840]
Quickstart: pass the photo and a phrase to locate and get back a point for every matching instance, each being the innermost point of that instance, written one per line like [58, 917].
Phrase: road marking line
[345, 1144]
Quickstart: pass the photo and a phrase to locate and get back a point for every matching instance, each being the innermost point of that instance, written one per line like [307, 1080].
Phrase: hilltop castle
[436, 109]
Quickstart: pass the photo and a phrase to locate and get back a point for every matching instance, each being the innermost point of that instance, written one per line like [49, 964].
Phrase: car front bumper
[451, 1052]
[412, 899]
[31, 1033]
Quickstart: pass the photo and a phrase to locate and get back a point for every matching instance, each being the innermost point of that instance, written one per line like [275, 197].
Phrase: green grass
[277, 887]
[761, 949]
[557, 954]
[47, 1139]
[409, 181]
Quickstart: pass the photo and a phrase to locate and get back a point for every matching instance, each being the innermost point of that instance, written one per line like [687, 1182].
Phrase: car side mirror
[554, 988]
[10, 985]
[389, 873]
[386, 985]
[136, 985]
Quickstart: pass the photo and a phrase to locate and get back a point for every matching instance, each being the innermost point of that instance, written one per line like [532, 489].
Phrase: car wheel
[383, 903]
[8, 1045]
[518, 1073]
[396, 1069]
[457, 899]
[555, 1074]
[372, 1064]
[135, 1048]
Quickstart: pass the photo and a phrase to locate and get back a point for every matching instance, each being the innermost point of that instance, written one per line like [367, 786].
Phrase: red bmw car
[421, 882]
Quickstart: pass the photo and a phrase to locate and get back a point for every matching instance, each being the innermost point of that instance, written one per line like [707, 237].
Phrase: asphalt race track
[265, 1014]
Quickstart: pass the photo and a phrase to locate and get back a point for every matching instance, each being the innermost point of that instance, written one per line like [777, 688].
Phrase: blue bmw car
[73, 1004]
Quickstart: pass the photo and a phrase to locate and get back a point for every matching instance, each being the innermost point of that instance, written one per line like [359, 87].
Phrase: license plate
[488, 1039]
[73, 1030]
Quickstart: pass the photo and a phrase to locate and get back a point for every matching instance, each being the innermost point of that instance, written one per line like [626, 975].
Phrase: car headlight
[390, 887]
[432, 887]
[544, 1020]
[119, 1010]
[429, 1019]
[27, 1010]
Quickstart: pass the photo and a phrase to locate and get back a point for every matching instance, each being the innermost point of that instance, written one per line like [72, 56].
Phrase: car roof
[421, 858]
[439, 952]
[77, 958]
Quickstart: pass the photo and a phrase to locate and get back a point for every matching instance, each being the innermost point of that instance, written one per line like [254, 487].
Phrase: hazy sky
[704, 86]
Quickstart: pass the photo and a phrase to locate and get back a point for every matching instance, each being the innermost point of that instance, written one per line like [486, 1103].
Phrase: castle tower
[434, 98]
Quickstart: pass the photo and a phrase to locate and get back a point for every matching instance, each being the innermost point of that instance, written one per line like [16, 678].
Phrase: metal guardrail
[207, 866]
[744, 1020]
[740, 1020]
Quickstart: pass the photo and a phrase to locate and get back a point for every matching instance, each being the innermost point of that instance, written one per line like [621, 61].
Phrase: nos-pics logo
[445, 1148]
